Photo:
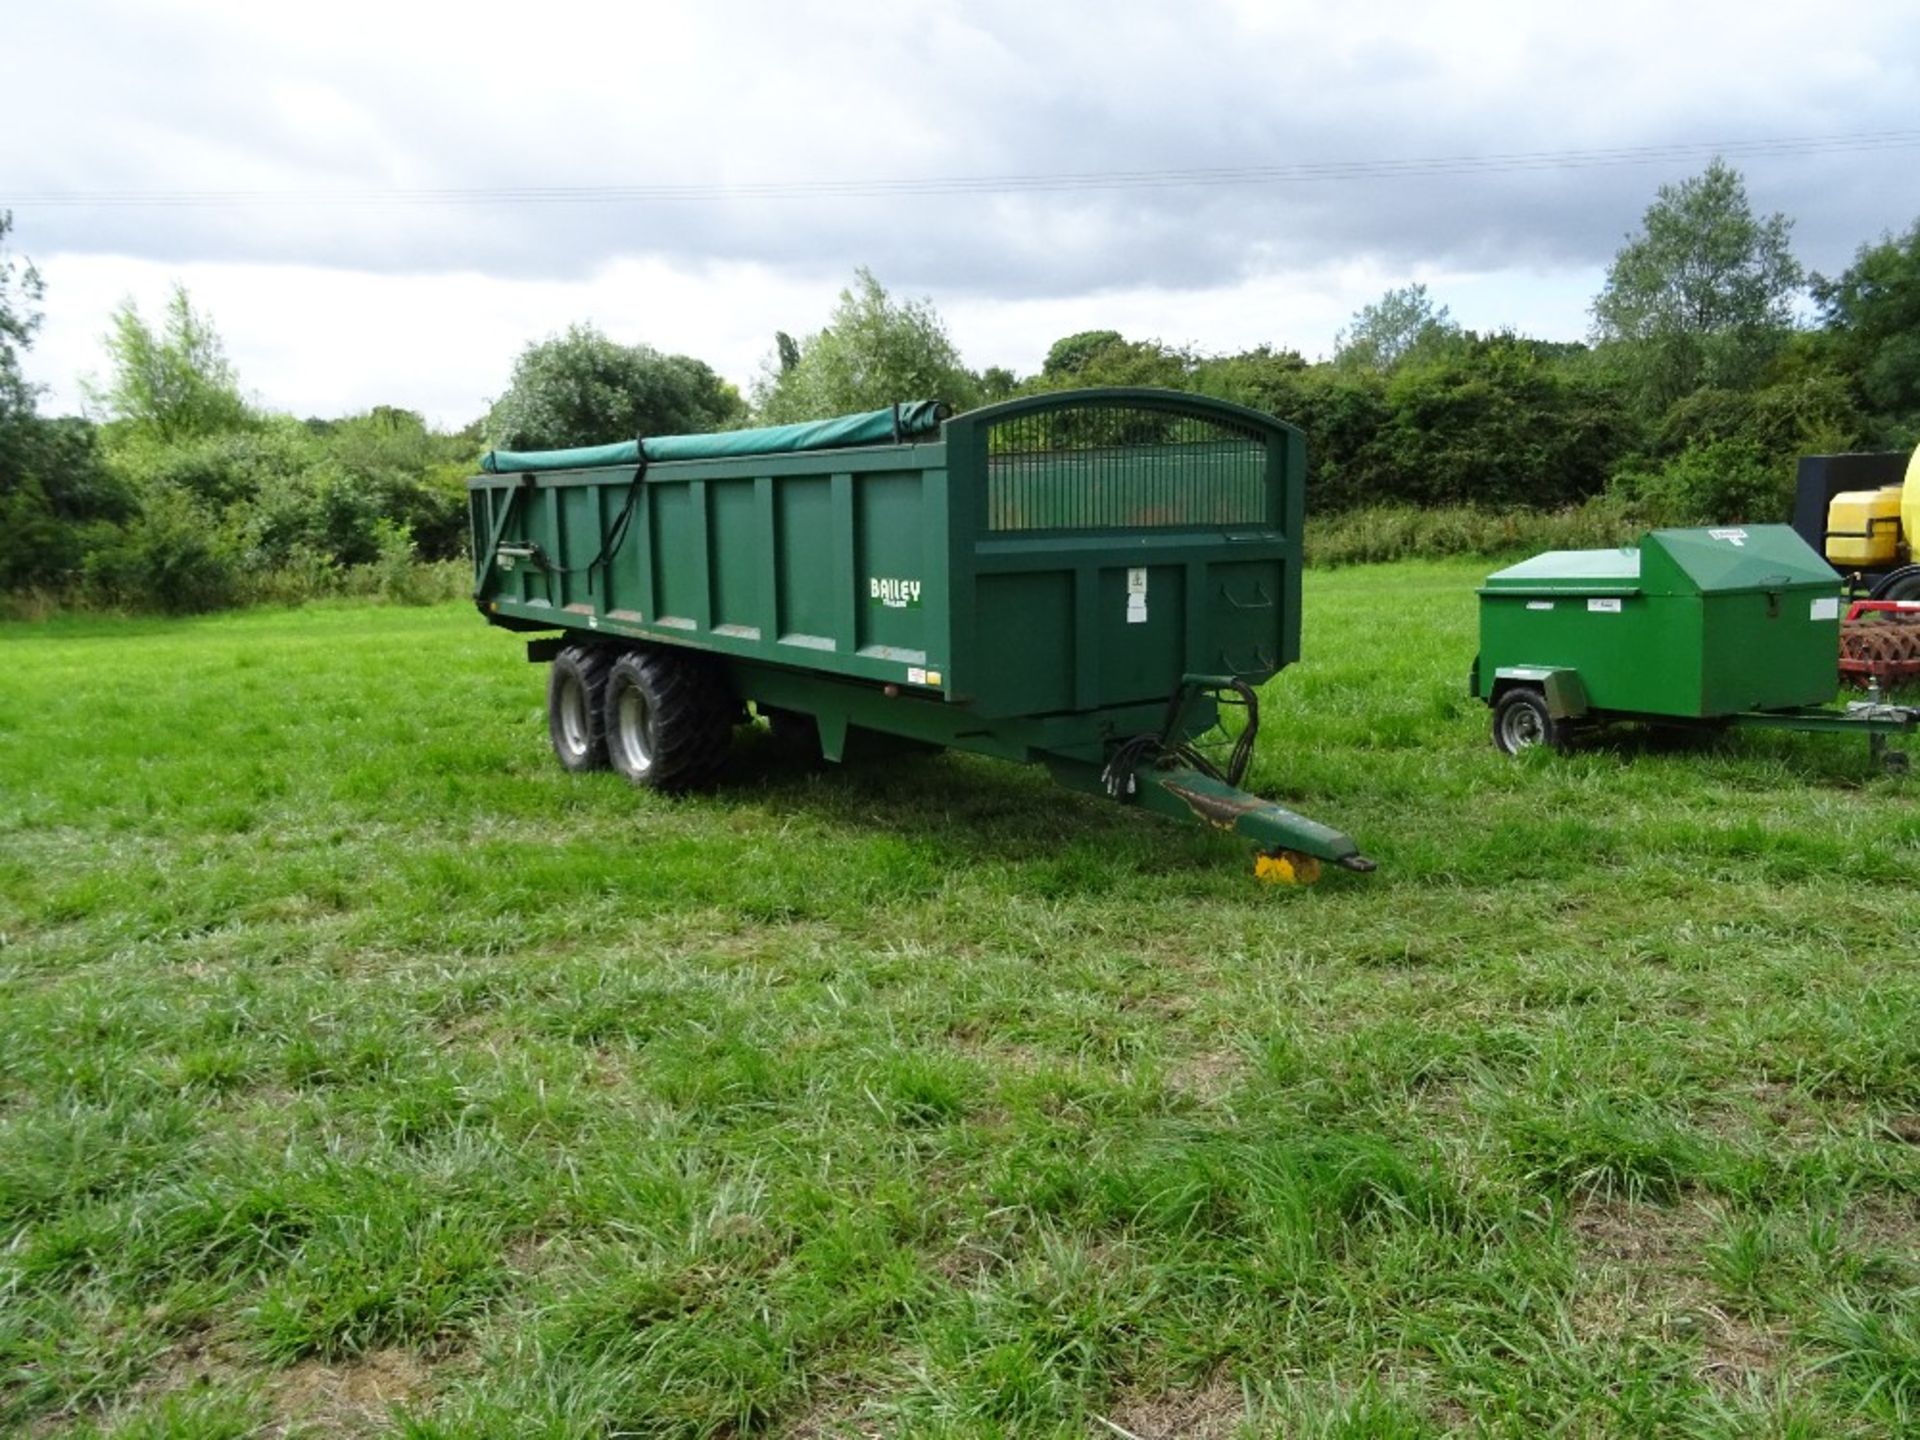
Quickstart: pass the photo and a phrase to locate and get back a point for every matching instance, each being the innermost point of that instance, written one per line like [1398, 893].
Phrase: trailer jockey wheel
[1522, 721]
[576, 706]
[669, 719]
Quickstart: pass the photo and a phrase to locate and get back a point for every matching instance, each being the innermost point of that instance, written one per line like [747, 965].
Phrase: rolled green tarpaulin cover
[875, 427]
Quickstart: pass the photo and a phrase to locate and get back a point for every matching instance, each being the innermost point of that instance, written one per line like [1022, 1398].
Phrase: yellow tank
[1910, 504]
[1863, 526]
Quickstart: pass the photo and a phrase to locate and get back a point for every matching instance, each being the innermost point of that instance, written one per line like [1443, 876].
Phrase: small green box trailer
[1087, 580]
[1736, 625]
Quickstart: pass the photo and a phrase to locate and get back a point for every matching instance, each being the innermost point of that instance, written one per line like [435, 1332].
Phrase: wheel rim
[1521, 728]
[575, 733]
[634, 725]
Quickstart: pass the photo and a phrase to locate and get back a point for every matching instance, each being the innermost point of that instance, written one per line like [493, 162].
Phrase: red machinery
[1882, 652]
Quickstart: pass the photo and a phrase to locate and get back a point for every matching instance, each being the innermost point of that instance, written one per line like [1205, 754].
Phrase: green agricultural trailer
[1094, 581]
[1706, 628]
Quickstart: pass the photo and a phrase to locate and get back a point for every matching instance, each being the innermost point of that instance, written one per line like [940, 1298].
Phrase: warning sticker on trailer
[1539, 604]
[1826, 607]
[1137, 595]
[1609, 605]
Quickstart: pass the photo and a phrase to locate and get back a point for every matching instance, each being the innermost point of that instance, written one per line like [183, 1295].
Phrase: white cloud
[314, 341]
[338, 293]
[311, 340]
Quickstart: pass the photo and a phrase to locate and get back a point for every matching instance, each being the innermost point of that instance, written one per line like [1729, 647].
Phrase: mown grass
[361, 1070]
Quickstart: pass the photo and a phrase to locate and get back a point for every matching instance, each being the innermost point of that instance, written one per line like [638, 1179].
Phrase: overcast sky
[364, 228]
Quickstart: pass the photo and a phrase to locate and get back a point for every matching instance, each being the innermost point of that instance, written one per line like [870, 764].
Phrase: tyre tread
[593, 664]
[693, 710]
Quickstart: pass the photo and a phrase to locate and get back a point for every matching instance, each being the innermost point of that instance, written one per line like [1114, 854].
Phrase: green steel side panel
[1631, 653]
[735, 561]
[892, 587]
[803, 524]
[679, 557]
[772, 558]
[1769, 653]
[1032, 666]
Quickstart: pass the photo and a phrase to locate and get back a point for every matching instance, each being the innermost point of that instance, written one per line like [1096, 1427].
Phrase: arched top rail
[1105, 459]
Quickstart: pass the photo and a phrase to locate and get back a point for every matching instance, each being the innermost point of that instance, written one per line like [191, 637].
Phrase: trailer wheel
[669, 719]
[576, 706]
[1522, 721]
[1901, 584]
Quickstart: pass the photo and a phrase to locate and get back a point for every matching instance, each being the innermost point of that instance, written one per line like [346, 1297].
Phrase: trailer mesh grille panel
[1105, 467]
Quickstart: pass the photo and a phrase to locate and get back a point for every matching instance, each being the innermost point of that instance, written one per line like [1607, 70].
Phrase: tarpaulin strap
[617, 535]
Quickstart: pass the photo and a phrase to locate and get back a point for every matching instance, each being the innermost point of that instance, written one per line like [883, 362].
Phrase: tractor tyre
[577, 706]
[669, 719]
[1901, 584]
[1521, 721]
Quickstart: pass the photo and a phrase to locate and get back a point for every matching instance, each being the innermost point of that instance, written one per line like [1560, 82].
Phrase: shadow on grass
[976, 809]
[1837, 760]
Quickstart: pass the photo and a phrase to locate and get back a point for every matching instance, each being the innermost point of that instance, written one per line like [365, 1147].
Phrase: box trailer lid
[1570, 572]
[1732, 560]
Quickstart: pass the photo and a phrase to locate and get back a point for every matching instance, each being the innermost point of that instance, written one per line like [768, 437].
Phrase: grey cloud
[165, 103]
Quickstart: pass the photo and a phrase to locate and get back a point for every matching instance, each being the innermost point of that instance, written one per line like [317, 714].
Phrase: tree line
[1712, 363]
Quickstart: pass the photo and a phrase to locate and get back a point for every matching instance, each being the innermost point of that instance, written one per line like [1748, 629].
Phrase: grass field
[360, 1069]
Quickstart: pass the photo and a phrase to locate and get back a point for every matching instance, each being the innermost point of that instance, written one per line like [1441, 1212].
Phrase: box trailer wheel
[1521, 721]
[576, 706]
[669, 718]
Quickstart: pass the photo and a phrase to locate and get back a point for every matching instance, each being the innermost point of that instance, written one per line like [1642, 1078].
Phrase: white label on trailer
[1539, 604]
[1732, 537]
[893, 593]
[916, 676]
[1136, 609]
[1604, 606]
[1137, 580]
[1827, 607]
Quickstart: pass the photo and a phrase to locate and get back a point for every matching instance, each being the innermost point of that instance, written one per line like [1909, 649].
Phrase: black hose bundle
[1163, 751]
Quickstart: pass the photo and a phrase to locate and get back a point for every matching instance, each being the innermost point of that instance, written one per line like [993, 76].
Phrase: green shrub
[1717, 482]
[306, 574]
[1403, 532]
[172, 558]
[398, 565]
[56, 495]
